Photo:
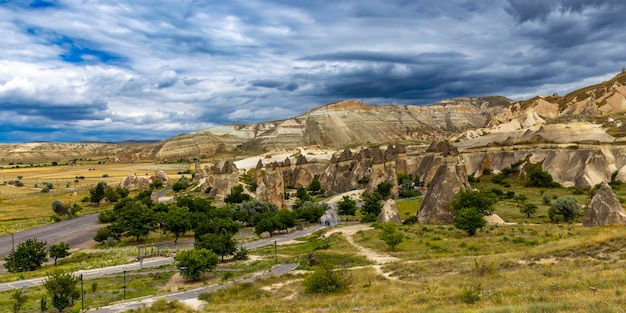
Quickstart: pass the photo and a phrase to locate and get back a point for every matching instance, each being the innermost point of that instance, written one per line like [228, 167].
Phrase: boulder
[604, 209]
[389, 213]
[494, 219]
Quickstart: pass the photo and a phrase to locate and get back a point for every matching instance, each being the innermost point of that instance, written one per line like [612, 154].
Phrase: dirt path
[378, 259]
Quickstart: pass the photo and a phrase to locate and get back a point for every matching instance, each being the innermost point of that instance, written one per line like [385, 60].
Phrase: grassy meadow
[529, 265]
[27, 206]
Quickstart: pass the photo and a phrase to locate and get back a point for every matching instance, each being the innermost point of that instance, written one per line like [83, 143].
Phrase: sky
[115, 70]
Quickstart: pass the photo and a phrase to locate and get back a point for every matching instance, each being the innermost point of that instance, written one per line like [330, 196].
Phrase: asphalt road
[155, 262]
[192, 294]
[76, 232]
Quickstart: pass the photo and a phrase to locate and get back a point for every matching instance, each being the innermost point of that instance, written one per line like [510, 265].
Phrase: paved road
[192, 294]
[76, 232]
[155, 262]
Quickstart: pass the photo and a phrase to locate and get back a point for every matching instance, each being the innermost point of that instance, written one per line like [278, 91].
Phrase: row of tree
[31, 254]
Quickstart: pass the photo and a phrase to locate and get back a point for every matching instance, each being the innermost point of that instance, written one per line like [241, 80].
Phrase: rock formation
[271, 188]
[134, 182]
[161, 176]
[222, 177]
[449, 179]
[604, 209]
[389, 213]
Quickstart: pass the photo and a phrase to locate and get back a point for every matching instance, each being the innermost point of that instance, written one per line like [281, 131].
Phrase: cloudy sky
[112, 70]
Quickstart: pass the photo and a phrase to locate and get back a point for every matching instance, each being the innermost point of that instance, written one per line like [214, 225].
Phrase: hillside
[484, 121]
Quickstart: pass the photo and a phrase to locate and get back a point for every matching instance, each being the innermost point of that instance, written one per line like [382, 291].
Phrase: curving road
[77, 232]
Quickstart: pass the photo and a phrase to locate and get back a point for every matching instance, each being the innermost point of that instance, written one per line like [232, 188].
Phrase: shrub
[564, 209]
[326, 279]
[471, 295]
[410, 220]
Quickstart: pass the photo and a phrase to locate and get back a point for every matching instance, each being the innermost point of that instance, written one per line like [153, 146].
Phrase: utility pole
[275, 253]
[82, 293]
[124, 285]
[13, 250]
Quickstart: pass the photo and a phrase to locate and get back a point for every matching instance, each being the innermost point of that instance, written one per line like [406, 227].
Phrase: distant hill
[482, 121]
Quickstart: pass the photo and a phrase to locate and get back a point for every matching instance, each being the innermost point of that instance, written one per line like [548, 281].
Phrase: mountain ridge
[350, 123]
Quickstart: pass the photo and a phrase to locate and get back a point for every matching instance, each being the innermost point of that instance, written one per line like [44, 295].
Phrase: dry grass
[25, 207]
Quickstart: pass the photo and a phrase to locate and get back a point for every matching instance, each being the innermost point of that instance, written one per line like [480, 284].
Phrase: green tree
[285, 219]
[266, 223]
[62, 288]
[315, 186]
[111, 195]
[59, 208]
[469, 220]
[391, 236]
[484, 202]
[28, 256]
[564, 209]
[19, 299]
[135, 220]
[347, 207]
[311, 211]
[528, 209]
[539, 178]
[246, 212]
[177, 221]
[222, 244]
[237, 195]
[59, 251]
[97, 193]
[371, 207]
[384, 190]
[179, 186]
[192, 263]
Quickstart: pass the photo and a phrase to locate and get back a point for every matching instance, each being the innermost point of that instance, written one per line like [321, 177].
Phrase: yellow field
[27, 206]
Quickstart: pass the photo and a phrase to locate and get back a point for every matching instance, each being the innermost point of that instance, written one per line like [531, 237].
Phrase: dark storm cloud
[100, 69]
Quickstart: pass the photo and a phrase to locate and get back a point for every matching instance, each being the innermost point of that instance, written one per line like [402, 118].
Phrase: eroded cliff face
[576, 166]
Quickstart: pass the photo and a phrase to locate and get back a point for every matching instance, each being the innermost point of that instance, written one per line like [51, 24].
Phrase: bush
[471, 295]
[564, 209]
[326, 279]
[410, 220]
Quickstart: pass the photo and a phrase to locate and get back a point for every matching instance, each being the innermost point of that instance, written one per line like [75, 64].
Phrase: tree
[371, 206]
[246, 212]
[28, 256]
[137, 220]
[179, 186]
[192, 263]
[484, 202]
[528, 209]
[469, 220]
[177, 221]
[311, 211]
[539, 178]
[19, 298]
[111, 195]
[391, 236]
[346, 206]
[62, 288]
[222, 244]
[285, 219]
[59, 208]
[97, 193]
[384, 190]
[59, 251]
[236, 195]
[315, 186]
[564, 209]
[266, 223]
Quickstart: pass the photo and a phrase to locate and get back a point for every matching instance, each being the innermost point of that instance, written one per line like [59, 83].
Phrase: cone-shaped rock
[447, 182]
[604, 209]
[389, 213]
